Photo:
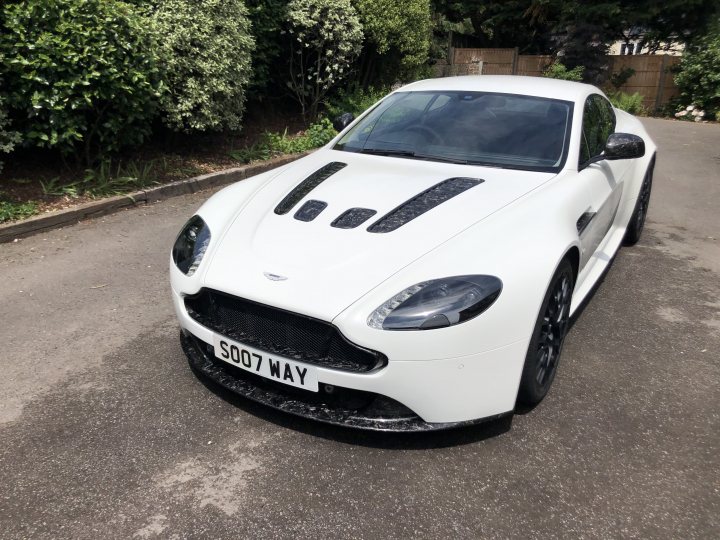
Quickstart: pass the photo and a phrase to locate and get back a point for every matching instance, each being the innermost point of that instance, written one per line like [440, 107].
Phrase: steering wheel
[430, 134]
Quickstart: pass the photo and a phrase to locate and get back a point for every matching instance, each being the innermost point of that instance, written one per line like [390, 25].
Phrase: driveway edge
[68, 216]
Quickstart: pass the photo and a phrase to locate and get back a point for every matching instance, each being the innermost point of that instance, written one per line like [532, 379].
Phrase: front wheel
[637, 221]
[548, 336]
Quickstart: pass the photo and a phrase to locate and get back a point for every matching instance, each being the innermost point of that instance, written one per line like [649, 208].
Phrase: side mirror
[343, 121]
[624, 146]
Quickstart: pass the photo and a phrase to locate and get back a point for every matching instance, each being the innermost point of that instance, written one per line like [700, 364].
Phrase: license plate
[266, 365]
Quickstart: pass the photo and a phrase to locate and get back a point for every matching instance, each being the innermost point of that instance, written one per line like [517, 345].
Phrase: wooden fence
[651, 79]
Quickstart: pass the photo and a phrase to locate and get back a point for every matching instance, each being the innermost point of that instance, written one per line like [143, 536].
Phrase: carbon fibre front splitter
[346, 407]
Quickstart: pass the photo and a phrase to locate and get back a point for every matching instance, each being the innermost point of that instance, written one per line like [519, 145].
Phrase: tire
[551, 326]
[637, 220]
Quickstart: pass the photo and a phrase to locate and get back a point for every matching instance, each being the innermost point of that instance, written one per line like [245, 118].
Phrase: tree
[326, 37]
[206, 48]
[512, 23]
[397, 39]
[659, 25]
[267, 18]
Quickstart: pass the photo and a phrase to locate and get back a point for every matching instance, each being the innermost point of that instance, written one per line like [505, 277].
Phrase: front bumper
[344, 407]
[409, 395]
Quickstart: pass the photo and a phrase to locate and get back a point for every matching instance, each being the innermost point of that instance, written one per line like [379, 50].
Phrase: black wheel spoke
[643, 201]
[553, 330]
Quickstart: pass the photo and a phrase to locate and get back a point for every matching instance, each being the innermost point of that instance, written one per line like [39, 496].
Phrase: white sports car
[419, 271]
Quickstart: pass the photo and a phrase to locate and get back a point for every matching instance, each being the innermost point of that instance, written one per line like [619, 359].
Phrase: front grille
[280, 332]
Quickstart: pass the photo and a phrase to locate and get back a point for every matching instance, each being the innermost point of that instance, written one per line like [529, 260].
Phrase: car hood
[319, 270]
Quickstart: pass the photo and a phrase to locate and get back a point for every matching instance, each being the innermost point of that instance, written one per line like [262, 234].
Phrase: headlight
[437, 303]
[191, 245]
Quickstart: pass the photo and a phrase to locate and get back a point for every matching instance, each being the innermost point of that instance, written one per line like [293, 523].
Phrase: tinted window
[598, 124]
[499, 130]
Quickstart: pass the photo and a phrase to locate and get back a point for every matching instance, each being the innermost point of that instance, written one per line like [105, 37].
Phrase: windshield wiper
[433, 157]
[429, 157]
[388, 152]
[411, 154]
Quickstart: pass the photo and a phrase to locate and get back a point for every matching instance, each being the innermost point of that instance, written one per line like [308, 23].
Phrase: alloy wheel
[553, 331]
[643, 201]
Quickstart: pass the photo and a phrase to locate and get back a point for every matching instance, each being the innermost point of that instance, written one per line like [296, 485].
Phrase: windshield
[477, 128]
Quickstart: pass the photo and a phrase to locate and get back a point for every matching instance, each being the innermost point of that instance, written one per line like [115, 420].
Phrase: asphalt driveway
[106, 433]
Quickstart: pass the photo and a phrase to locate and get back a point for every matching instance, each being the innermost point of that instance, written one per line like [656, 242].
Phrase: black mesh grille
[281, 332]
[353, 217]
[421, 203]
[307, 185]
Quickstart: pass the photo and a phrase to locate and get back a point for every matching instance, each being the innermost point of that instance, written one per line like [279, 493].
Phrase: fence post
[661, 82]
[516, 52]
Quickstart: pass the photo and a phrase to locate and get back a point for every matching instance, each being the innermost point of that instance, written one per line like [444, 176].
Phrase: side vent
[353, 218]
[307, 185]
[583, 221]
[310, 210]
[421, 203]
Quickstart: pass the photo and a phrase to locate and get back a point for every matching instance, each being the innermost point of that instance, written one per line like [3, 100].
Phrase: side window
[598, 124]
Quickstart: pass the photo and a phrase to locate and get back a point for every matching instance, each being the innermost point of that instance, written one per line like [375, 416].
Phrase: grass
[275, 143]
[106, 180]
[632, 103]
[16, 210]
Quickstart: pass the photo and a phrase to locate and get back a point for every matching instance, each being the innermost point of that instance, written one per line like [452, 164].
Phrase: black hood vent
[353, 218]
[421, 203]
[310, 210]
[307, 185]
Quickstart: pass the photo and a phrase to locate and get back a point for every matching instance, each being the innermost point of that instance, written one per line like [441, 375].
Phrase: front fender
[521, 244]
[219, 212]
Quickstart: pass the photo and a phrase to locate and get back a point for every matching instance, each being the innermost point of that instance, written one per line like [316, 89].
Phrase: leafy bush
[699, 76]
[8, 139]
[266, 18]
[355, 101]
[79, 73]
[400, 33]
[556, 70]
[16, 210]
[205, 49]
[632, 103]
[108, 178]
[326, 36]
[274, 144]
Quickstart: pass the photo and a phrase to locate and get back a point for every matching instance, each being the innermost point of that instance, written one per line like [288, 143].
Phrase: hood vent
[310, 210]
[421, 203]
[307, 185]
[353, 218]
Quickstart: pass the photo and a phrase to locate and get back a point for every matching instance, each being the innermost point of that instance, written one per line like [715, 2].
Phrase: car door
[601, 180]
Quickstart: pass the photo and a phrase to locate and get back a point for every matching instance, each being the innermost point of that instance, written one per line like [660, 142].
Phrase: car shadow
[375, 439]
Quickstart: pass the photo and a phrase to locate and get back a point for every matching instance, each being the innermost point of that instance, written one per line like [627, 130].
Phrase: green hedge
[8, 138]
[205, 48]
[80, 75]
[699, 76]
